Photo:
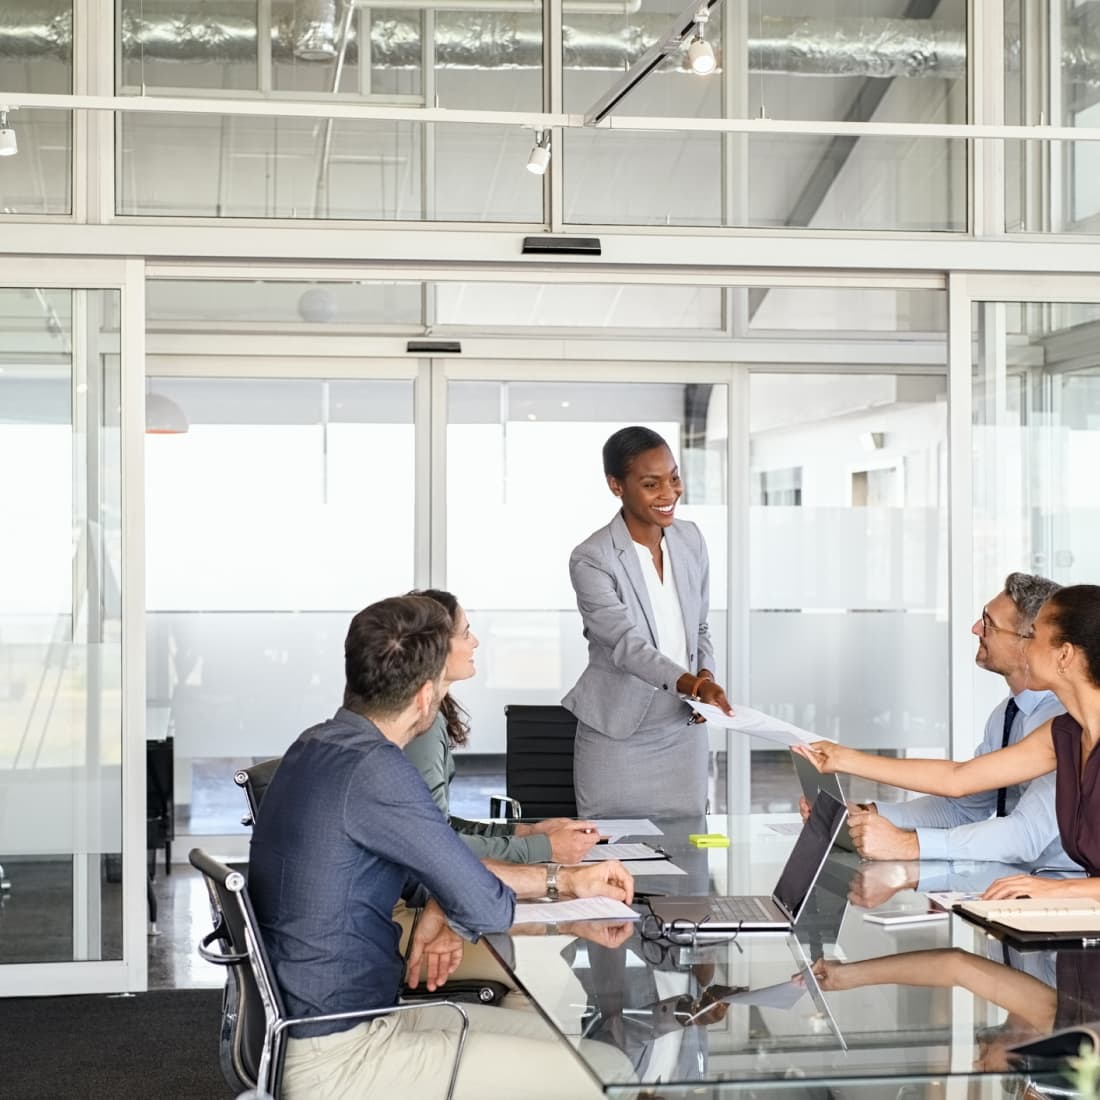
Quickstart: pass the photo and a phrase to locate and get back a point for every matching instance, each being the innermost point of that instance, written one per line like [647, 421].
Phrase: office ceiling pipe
[467, 39]
[315, 30]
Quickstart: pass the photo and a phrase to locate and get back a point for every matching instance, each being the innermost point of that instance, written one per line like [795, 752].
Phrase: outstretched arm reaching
[1031, 757]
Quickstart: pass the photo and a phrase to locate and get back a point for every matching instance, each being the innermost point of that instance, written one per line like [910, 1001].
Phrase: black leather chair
[539, 761]
[159, 801]
[254, 1018]
[254, 782]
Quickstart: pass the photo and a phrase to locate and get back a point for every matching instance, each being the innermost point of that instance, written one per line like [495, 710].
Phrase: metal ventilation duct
[476, 39]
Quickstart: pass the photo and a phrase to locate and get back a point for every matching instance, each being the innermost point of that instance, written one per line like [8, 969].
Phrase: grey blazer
[625, 667]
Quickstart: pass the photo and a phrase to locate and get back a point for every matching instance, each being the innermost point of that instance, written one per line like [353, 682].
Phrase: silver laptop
[779, 913]
[813, 781]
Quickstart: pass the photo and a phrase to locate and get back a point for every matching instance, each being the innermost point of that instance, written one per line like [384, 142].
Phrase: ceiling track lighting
[700, 53]
[539, 160]
[9, 145]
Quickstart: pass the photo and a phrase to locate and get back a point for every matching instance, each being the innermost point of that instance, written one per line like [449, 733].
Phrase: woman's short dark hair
[392, 649]
[1075, 617]
[454, 713]
[625, 445]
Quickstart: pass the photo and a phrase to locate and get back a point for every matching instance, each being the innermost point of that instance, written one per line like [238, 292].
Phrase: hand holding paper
[758, 724]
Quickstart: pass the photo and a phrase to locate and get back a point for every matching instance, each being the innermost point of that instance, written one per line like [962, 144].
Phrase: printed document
[758, 724]
[557, 912]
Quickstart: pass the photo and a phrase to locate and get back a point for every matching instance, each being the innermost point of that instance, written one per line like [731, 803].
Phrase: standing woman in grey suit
[642, 585]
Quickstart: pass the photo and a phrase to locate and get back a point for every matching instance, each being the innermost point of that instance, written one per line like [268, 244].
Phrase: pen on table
[650, 894]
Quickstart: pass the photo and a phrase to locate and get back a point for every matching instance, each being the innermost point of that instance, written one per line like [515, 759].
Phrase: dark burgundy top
[1078, 796]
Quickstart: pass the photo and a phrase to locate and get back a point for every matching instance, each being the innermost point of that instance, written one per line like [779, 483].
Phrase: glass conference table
[883, 1020]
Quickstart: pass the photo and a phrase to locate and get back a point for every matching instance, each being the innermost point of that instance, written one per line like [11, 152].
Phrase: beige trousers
[478, 962]
[509, 1055]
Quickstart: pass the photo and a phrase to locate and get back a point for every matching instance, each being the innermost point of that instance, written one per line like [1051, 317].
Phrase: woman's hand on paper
[826, 756]
[1023, 886]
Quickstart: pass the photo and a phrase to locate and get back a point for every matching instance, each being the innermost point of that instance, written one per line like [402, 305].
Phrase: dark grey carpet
[151, 1046]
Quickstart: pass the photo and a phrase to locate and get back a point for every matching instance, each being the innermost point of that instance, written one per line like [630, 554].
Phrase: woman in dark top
[1063, 656]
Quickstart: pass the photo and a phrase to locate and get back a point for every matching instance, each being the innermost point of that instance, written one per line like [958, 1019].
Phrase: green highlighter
[709, 840]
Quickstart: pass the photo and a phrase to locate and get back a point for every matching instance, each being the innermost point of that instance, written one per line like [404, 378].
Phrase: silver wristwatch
[552, 870]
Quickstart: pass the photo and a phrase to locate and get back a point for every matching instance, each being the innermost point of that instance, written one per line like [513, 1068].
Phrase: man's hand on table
[877, 838]
[609, 879]
[875, 883]
[435, 946]
[570, 841]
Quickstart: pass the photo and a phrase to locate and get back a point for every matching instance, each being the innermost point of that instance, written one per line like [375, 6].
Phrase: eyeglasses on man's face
[988, 626]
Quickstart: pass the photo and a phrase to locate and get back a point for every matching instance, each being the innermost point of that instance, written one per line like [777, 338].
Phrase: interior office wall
[245, 630]
[61, 637]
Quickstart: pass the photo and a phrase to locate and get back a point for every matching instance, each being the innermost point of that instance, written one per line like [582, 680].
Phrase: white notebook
[1073, 915]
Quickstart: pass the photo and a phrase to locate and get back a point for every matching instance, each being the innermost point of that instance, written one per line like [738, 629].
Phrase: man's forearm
[528, 881]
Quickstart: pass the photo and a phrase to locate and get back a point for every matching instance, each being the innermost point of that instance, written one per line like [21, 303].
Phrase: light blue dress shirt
[965, 828]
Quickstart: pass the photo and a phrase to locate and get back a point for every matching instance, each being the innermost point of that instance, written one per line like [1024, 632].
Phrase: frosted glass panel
[848, 557]
[60, 626]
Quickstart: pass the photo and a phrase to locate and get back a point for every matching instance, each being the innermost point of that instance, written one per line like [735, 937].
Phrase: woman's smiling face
[651, 488]
[460, 660]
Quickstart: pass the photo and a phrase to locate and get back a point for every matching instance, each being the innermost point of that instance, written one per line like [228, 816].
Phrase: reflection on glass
[873, 183]
[848, 564]
[60, 626]
[217, 303]
[1036, 442]
[1051, 186]
[286, 507]
[524, 479]
[245, 167]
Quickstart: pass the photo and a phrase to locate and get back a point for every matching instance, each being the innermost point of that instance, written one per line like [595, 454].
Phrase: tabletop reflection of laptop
[779, 913]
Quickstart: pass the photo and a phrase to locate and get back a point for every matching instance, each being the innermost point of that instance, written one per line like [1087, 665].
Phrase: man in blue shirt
[349, 827]
[1014, 825]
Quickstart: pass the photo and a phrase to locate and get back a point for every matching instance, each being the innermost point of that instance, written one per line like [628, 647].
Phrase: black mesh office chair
[254, 1018]
[539, 761]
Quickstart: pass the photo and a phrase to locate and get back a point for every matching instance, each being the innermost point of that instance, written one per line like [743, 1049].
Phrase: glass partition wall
[68, 763]
[829, 427]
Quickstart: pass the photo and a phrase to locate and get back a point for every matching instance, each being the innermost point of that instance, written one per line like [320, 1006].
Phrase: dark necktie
[1010, 716]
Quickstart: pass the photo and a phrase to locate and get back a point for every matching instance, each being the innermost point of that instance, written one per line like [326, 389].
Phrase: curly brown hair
[454, 713]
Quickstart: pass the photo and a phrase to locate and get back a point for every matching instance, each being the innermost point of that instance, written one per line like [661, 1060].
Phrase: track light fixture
[539, 160]
[9, 146]
[700, 52]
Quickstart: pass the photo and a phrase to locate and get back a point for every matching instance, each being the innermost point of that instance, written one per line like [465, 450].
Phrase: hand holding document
[758, 724]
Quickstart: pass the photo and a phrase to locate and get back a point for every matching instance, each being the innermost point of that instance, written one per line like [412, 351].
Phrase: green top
[431, 753]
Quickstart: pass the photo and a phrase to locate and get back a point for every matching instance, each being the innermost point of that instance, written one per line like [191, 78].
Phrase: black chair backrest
[245, 1018]
[159, 775]
[255, 781]
[539, 764]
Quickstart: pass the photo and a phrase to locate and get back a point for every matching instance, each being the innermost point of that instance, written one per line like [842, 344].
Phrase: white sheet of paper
[758, 724]
[554, 912]
[780, 995]
[615, 827]
[653, 867]
[620, 851]
[948, 899]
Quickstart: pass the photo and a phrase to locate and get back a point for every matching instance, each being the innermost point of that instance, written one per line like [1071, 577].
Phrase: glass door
[72, 916]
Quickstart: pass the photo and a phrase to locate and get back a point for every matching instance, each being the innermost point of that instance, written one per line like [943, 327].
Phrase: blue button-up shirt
[347, 827]
[965, 828]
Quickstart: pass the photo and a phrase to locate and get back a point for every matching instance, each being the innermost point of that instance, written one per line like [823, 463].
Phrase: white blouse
[665, 601]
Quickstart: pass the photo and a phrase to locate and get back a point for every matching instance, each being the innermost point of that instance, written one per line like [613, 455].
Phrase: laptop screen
[809, 853]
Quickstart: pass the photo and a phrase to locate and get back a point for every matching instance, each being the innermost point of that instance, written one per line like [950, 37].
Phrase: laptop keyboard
[742, 909]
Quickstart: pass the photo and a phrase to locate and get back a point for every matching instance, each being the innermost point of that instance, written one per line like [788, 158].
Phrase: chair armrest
[502, 806]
